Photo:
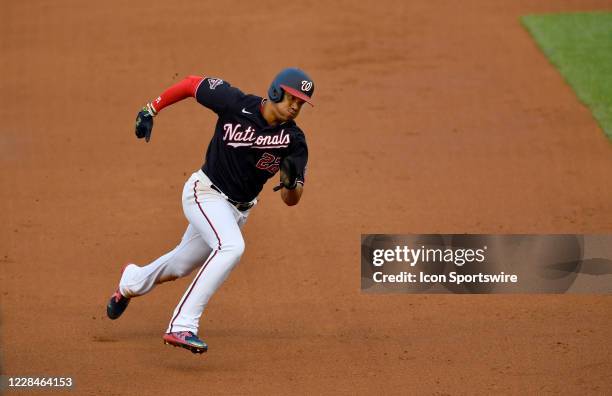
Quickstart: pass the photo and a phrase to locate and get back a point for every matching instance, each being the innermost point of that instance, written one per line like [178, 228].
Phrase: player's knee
[235, 248]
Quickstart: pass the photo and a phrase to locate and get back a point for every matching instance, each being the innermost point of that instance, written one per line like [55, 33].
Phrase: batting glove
[288, 174]
[144, 122]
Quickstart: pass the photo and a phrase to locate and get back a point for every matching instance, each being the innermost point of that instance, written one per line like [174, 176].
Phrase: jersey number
[269, 163]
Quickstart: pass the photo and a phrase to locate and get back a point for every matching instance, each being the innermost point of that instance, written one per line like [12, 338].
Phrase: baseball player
[253, 138]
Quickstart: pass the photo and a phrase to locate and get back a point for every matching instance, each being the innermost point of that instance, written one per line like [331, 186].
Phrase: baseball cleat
[117, 303]
[187, 340]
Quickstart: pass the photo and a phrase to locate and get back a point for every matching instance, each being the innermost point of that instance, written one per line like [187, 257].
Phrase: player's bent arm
[179, 91]
[292, 197]
[186, 88]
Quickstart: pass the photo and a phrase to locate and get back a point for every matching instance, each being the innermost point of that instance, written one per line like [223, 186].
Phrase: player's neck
[268, 113]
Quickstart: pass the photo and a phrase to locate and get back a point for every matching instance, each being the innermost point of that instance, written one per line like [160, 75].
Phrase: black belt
[241, 206]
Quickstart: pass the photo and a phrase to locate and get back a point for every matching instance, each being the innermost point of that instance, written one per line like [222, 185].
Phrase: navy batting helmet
[293, 81]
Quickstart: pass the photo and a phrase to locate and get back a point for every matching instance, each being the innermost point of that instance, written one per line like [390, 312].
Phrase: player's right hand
[288, 174]
[144, 122]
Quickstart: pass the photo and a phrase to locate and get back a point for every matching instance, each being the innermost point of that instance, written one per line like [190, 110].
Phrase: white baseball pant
[213, 242]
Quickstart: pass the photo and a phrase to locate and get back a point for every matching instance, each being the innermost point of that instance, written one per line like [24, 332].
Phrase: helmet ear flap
[275, 93]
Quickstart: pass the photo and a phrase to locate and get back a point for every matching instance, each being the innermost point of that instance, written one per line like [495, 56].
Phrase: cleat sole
[193, 349]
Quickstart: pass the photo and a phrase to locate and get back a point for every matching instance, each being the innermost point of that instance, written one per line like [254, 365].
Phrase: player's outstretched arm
[179, 91]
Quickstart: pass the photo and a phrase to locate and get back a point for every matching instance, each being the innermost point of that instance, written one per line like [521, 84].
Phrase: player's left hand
[144, 122]
[288, 175]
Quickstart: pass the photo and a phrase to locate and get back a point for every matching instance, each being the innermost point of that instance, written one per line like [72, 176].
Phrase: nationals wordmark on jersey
[247, 138]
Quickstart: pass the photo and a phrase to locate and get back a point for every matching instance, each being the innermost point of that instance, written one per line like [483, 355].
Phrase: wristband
[150, 109]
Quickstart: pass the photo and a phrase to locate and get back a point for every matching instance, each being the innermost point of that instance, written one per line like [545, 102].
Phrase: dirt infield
[430, 116]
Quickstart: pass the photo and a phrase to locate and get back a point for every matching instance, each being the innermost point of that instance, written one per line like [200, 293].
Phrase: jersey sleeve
[217, 95]
[298, 150]
[179, 91]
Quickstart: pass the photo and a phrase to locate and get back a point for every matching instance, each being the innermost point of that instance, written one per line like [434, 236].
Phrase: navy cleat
[116, 305]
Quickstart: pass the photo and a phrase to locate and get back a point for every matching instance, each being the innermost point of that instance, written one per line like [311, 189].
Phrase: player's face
[289, 107]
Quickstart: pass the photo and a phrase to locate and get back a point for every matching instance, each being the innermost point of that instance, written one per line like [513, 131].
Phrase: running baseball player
[253, 138]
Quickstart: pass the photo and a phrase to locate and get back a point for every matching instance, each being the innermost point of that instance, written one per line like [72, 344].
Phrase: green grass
[580, 46]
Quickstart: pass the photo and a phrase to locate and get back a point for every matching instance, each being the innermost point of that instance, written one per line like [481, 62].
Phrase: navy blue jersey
[245, 151]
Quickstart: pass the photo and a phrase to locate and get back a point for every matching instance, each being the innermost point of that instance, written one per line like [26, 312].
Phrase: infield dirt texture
[430, 116]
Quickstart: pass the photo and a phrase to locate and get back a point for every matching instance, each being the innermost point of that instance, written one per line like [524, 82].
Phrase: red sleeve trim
[179, 91]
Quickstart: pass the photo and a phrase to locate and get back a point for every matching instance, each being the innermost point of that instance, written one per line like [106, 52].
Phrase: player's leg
[136, 281]
[190, 254]
[218, 224]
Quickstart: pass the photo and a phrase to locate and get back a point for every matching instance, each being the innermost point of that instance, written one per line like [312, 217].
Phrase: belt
[241, 206]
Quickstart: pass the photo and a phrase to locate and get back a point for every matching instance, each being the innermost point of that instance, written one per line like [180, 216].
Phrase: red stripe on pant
[195, 196]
